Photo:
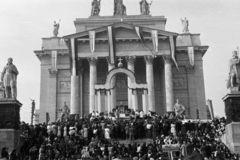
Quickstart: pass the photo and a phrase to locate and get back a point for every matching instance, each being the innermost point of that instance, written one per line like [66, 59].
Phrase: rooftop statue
[9, 79]
[179, 108]
[234, 71]
[96, 5]
[56, 28]
[185, 24]
[119, 8]
[145, 7]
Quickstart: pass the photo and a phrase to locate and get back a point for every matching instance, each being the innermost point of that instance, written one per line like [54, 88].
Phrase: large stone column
[168, 83]
[130, 64]
[99, 109]
[134, 100]
[112, 95]
[75, 109]
[109, 101]
[92, 80]
[74, 82]
[81, 92]
[145, 101]
[150, 82]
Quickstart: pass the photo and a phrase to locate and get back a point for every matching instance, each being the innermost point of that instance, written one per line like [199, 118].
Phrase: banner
[139, 33]
[154, 34]
[171, 148]
[172, 46]
[191, 55]
[140, 36]
[92, 40]
[111, 43]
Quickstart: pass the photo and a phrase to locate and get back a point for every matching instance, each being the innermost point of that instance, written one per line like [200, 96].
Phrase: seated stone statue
[65, 111]
[234, 71]
[179, 108]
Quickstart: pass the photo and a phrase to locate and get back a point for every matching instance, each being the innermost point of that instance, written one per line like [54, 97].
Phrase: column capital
[53, 72]
[130, 60]
[92, 61]
[149, 59]
[189, 68]
[167, 59]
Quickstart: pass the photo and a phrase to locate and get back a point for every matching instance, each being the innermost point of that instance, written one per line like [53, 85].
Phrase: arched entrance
[108, 86]
[115, 71]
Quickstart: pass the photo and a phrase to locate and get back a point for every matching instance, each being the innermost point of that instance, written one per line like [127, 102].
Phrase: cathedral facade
[129, 61]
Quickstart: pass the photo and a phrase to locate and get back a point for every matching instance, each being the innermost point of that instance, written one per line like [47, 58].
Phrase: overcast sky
[24, 22]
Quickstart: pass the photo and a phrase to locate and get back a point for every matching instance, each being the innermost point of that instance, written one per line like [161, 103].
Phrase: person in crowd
[4, 153]
[99, 137]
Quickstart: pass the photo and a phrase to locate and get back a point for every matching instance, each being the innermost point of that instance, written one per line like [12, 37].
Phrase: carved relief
[65, 85]
[178, 82]
[53, 72]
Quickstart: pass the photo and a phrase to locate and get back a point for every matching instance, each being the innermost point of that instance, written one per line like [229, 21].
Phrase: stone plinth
[9, 138]
[232, 109]
[9, 123]
[232, 137]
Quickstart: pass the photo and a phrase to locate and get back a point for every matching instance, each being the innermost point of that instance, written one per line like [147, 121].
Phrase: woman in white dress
[107, 133]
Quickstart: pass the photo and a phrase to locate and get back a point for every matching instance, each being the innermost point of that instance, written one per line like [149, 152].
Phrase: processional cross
[120, 62]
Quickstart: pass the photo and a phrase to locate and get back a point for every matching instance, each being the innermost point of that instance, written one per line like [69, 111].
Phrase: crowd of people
[140, 137]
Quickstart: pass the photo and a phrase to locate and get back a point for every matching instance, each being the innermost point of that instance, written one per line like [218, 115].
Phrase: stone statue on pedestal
[96, 7]
[145, 7]
[234, 71]
[119, 8]
[65, 111]
[9, 79]
[185, 24]
[56, 28]
[179, 108]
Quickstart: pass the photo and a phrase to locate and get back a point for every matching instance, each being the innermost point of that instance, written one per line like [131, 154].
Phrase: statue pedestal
[232, 137]
[9, 123]
[232, 103]
[9, 138]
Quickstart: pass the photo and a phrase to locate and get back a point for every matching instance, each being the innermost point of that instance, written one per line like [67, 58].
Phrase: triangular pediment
[121, 30]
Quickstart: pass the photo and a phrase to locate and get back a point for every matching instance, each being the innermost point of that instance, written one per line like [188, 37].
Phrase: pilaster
[191, 91]
[52, 92]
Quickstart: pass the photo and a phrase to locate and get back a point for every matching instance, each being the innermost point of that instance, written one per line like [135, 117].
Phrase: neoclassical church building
[115, 61]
